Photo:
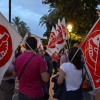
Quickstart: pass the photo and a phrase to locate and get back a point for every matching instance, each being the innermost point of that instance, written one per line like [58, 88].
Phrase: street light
[69, 27]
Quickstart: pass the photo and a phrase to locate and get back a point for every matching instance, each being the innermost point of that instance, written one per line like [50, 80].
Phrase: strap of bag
[86, 74]
[25, 67]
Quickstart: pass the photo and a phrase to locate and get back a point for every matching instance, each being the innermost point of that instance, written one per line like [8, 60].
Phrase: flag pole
[75, 54]
[30, 47]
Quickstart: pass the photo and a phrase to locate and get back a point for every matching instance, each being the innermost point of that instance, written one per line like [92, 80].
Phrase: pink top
[63, 59]
[30, 82]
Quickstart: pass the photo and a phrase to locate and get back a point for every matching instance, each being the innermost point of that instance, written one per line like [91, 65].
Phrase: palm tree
[44, 20]
[23, 29]
[49, 21]
[16, 22]
[21, 26]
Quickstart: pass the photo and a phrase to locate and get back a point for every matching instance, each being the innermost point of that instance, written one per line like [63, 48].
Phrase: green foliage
[80, 13]
[21, 26]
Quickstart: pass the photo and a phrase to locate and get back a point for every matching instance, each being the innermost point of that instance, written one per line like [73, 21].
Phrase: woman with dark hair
[72, 73]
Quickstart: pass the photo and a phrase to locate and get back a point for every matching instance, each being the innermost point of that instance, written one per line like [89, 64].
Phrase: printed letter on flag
[91, 51]
[51, 48]
[9, 41]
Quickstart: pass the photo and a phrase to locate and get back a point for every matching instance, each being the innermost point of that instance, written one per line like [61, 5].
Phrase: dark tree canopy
[81, 13]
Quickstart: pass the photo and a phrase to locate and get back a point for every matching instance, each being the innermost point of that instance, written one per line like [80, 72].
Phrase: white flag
[60, 40]
[64, 29]
[24, 40]
[39, 41]
[51, 48]
[40, 44]
[9, 41]
[23, 48]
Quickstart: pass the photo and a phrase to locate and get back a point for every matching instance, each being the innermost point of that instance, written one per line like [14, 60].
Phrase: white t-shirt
[73, 76]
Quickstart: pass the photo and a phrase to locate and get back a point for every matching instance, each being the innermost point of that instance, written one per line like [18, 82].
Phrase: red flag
[91, 51]
[97, 68]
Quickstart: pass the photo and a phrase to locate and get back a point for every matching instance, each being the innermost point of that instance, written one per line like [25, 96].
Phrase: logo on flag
[9, 41]
[60, 39]
[64, 29]
[51, 47]
[91, 51]
[5, 45]
[52, 40]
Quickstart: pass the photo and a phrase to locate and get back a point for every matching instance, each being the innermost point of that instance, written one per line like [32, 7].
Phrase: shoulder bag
[86, 85]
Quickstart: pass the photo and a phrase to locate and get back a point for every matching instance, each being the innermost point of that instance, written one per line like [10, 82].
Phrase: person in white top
[72, 73]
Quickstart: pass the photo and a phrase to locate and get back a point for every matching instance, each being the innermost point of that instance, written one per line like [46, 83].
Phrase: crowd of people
[35, 66]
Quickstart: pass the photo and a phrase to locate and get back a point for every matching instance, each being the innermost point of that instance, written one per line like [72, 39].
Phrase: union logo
[92, 49]
[5, 46]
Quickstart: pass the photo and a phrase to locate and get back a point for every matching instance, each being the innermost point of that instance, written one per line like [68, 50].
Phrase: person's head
[76, 45]
[32, 42]
[75, 57]
[40, 51]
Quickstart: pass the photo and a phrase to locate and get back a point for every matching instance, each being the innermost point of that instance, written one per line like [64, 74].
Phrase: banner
[51, 47]
[91, 51]
[9, 41]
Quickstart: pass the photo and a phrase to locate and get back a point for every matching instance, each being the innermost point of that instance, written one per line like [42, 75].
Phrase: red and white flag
[60, 40]
[9, 41]
[64, 29]
[51, 48]
[91, 51]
